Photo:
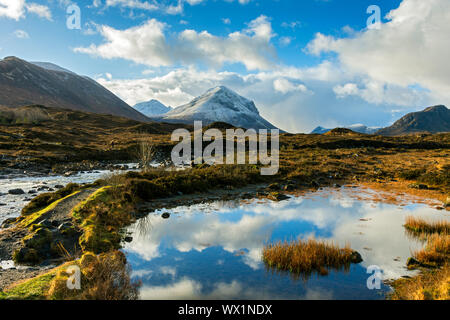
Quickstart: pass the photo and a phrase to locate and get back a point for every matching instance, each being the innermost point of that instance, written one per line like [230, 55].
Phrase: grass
[27, 220]
[102, 277]
[308, 256]
[433, 283]
[43, 200]
[429, 285]
[419, 225]
[436, 251]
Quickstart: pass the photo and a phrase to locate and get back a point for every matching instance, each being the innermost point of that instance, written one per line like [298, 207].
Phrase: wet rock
[128, 239]
[276, 196]
[32, 192]
[274, 187]
[418, 186]
[289, 187]
[58, 186]
[411, 262]
[356, 257]
[45, 223]
[165, 215]
[16, 191]
[7, 223]
[2, 204]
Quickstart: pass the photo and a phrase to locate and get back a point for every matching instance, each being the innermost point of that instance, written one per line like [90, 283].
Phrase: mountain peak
[438, 108]
[152, 108]
[432, 119]
[220, 104]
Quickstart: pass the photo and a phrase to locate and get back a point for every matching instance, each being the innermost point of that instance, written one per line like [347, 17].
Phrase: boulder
[16, 191]
[165, 215]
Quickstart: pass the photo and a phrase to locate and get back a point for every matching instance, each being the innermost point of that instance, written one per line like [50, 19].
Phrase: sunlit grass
[430, 285]
[436, 251]
[420, 225]
[308, 256]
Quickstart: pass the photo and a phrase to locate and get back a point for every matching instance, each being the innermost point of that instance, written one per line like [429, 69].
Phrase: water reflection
[214, 251]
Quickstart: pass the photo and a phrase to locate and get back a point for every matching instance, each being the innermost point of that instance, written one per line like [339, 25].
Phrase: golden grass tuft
[430, 285]
[436, 251]
[308, 256]
[420, 225]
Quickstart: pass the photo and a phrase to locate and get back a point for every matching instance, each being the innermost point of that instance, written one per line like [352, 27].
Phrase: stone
[412, 262]
[165, 215]
[16, 191]
[58, 186]
[128, 239]
[356, 257]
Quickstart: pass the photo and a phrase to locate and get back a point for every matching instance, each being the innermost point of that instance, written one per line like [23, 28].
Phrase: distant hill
[360, 128]
[23, 83]
[433, 119]
[219, 104]
[152, 108]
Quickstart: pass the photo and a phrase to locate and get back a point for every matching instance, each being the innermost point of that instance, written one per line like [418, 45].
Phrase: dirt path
[10, 240]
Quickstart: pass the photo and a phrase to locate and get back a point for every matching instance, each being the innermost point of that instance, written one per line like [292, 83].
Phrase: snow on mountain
[152, 108]
[50, 66]
[354, 127]
[220, 104]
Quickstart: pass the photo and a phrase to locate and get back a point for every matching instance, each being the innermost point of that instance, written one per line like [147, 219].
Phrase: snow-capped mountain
[152, 108]
[220, 104]
[354, 127]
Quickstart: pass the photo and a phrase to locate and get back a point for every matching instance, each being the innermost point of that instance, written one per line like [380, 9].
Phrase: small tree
[146, 153]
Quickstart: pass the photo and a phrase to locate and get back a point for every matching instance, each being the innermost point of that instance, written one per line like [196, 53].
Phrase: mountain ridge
[219, 104]
[434, 119]
[25, 83]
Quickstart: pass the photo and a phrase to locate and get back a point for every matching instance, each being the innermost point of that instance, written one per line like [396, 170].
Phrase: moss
[32, 289]
[43, 200]
[38, 239]
[32, 218]
[26, 255]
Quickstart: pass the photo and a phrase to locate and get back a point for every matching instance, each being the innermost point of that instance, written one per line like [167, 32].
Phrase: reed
[420, 225]
[309, 256]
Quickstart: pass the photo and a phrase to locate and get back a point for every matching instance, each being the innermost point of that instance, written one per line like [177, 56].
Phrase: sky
[304, 63]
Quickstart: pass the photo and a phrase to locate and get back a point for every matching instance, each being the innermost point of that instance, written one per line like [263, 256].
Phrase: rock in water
[165, 215]
[16, 191]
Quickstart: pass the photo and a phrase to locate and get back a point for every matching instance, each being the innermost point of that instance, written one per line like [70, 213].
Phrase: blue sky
[305, 63]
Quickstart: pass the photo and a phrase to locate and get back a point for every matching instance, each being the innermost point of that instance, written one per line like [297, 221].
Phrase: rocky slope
[23, 83]
[433, 119]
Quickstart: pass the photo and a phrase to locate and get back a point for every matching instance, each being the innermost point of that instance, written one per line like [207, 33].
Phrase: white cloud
[12, 9]
[21, 34]
[411, 49]
[143, 44]
[285, 86]
[40, 10]
[147, 44]
[15, 9]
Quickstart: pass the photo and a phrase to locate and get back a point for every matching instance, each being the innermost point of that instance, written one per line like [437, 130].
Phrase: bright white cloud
[412, 48]
[15, 9]
[12, 9]
[147, 44]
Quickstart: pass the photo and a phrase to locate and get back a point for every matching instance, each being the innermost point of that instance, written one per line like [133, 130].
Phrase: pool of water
[213, 251]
